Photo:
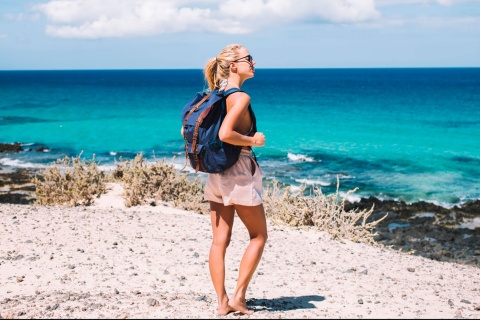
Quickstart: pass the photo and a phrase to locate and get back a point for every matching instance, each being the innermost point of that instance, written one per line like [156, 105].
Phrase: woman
[239, 188]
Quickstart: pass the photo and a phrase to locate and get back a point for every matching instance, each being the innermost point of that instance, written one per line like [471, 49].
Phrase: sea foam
[299, 157]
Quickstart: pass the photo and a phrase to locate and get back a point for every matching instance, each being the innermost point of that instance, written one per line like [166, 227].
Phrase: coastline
[109, 261]
[423, 229]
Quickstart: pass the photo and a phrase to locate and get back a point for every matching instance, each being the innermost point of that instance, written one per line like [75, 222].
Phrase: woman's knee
[260, 239]
[222, 241]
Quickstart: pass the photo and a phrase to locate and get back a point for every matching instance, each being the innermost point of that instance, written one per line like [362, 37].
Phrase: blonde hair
[218, 68]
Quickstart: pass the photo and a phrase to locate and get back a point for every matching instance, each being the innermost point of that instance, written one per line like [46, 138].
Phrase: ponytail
[218, 69]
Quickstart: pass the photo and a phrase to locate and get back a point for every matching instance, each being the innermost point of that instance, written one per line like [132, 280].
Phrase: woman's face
[244, 64]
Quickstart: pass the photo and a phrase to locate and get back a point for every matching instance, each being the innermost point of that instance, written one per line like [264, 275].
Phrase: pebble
[152, 302]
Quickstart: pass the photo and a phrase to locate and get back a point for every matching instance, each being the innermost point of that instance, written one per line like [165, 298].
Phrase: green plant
[70, 182]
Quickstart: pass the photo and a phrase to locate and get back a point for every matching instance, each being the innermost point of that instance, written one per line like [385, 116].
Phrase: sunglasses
[249, 59]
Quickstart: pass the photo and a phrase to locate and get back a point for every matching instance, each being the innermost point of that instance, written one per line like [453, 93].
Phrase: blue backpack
[202, 117]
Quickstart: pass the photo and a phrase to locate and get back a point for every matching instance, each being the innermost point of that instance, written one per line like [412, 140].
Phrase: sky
[184, 34]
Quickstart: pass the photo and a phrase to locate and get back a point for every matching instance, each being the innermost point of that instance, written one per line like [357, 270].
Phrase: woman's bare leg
[256, 224]
[222, 223]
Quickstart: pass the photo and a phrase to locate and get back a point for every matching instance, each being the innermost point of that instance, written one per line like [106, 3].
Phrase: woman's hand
[259, 139]
[181, 131]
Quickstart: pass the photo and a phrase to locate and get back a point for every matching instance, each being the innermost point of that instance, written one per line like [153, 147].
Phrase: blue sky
[166, 34]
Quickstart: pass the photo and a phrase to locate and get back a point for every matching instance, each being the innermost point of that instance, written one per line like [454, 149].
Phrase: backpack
[202, 117]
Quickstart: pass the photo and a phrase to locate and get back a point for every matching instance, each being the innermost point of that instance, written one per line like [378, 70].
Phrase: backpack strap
[252, 115]
[195, 108]
[196, 132]
[225, 96]
[230, 91]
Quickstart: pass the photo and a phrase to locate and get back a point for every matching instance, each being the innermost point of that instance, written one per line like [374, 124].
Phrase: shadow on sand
[284, 303]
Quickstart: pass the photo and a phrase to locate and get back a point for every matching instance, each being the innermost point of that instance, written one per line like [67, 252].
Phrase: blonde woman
[239, 188]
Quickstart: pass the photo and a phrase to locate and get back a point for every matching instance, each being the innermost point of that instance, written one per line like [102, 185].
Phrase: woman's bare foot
[224, 309]
[240, 306]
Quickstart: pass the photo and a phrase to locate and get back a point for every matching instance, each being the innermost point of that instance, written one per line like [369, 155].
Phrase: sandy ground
[108, 261]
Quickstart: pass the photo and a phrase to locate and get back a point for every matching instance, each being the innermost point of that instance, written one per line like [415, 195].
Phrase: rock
[42, 149]
[13, 147]
[152, 302]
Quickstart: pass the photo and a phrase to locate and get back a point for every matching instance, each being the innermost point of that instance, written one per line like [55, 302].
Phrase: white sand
[108, 261]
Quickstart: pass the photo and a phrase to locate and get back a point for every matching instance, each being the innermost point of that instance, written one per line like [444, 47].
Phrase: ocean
[395, 134]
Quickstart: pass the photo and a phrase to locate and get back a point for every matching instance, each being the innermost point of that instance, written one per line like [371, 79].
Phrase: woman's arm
[237, 106]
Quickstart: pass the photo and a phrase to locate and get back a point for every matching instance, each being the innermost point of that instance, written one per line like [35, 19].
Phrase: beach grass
[76, 181]
[325, 212]
[69, 181]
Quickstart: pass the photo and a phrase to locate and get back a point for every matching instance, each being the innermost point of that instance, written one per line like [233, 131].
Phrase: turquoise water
[405, 134]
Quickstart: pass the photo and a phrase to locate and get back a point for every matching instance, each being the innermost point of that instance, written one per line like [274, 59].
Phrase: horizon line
[272, 68]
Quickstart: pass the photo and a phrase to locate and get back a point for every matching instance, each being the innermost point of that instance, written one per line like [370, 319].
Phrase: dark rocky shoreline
[426, 229]
[419, 228]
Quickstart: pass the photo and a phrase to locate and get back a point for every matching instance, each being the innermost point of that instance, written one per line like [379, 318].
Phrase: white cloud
[112, 18]
[409, 2]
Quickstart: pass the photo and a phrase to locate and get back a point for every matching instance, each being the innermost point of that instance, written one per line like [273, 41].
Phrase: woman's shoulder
[239, 96]
[238, 100]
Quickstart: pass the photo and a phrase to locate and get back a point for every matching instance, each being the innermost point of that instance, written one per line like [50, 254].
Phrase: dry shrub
[145, 182]
[70, 182]
[324, 212]
[76, 182]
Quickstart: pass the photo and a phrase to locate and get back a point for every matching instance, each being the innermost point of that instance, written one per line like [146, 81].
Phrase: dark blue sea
[402, 134]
